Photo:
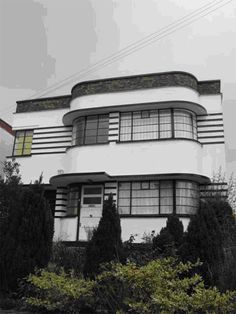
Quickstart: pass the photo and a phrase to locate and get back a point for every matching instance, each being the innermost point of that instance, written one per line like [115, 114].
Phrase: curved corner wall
[141, 158]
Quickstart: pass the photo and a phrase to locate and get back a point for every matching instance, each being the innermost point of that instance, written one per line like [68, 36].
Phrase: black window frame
[158, 133]
[23, 143]
[174, 198]
[83, 139]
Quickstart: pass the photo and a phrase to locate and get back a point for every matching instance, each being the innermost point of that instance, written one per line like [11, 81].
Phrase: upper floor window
[157, 124]
[90, 130]
[23, 143]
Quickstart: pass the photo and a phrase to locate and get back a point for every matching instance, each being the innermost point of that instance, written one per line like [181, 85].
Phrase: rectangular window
[23, 143]
[72, 201]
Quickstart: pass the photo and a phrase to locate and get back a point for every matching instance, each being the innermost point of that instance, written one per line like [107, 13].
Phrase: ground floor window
[72, 200]
[158, 197]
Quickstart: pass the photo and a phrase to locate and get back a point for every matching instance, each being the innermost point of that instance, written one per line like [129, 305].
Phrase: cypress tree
[26, 233]
[204, 241]
[106, 244]
[170, 237]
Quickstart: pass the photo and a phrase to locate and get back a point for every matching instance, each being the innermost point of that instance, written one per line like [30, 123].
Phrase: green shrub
[60, 293]
[71, 259]
[106, 244]
[162, 286]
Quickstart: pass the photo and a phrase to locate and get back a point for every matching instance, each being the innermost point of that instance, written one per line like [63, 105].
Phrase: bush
[60, 293]
[26, 228]
[106, 244]
[170, 238]
[71, 259]
[162, 286]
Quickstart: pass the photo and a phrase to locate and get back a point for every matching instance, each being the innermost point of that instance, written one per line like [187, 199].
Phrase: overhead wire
[186, 20]
[140, 44]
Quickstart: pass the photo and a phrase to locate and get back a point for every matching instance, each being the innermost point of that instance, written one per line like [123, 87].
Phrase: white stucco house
[152, 140]
[6, 143]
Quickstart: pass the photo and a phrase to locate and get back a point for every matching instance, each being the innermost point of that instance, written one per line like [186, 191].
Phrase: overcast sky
[43, 42]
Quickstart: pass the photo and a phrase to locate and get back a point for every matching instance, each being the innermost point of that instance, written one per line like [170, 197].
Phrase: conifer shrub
[170, 238]
[26, 228]
[106, 244]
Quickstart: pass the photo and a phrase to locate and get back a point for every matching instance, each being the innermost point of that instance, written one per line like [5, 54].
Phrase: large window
[23, 143]
[90, 130]
[158, 197]
[157, 124]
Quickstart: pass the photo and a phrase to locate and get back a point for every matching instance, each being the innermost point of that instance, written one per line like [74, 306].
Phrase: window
[90, 130]
[23, 143]
[72, 201]
[157, 124]
[158, 197]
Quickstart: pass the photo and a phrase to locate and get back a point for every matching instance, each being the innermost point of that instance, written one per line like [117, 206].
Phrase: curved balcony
[159, 159]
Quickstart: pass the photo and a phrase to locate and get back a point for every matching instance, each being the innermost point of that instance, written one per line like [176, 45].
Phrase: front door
[90, 210]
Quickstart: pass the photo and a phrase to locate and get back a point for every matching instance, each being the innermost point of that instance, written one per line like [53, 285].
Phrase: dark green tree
[106, 244]
[204, 240]
[170, 238]
[26, 228]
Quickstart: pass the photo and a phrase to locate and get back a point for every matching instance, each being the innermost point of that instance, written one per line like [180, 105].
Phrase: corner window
[158, 197]
[23, 143]
[90, 130]
[157, 124]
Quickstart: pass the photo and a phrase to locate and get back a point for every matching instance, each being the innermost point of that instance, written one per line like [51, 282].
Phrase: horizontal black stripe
[67, 216]
[60, 211]
[113, 123]
[110, 188]
[213, 191]
[212, 136]
[53, 132]
[38, 143]
[210, 114]
[63, 152]
[61, 199]
[207, 120]
[63, 205]
[45, 137]
[52, 127]
[52, 147]
[107, 194]
[211, 196]
[116, 129]
[207, 143]
[211, 131]
[209, 125]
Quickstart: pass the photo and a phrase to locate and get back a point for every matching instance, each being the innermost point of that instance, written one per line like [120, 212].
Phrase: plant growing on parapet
[26, 230]
[170, 238]
[106, 244]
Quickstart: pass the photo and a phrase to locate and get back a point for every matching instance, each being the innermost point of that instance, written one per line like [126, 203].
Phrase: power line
[142, 43]
[165, 31]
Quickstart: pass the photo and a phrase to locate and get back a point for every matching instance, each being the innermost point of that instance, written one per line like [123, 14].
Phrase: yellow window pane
[17, 152]
[26, 151]
[19, 146]
[27, 145]
[28, 139]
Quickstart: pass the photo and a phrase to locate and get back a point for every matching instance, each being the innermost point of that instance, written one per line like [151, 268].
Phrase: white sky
[44, 41]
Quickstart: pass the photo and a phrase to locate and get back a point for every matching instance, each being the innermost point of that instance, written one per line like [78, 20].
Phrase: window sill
[19, 156]
[156, 215]
[160, 139]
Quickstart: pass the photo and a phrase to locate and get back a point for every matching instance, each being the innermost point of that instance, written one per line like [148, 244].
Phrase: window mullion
[174, 196]
[130, 204]
[172, 124]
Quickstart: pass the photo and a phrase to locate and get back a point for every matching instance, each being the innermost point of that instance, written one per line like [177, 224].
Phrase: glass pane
[92, 200]
[123, 210]
[92, 190]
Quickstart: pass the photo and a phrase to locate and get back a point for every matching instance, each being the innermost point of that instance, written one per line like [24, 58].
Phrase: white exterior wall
[155, 157]
[135, 97]
[66, 228]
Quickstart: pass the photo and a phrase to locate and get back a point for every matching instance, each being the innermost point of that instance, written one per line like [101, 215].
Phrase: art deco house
[151, 140]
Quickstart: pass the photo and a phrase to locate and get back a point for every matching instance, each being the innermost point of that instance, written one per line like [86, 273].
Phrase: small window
[23, 143]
